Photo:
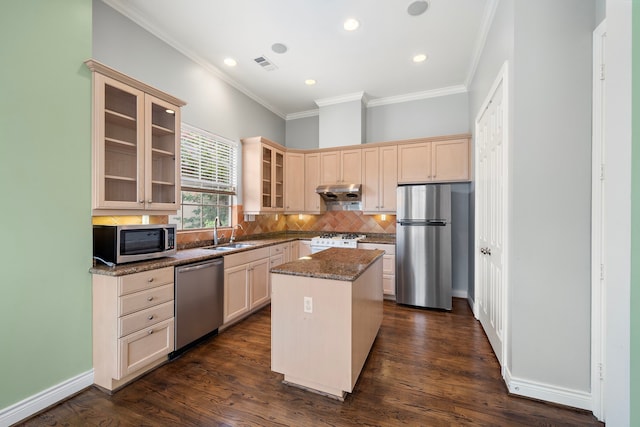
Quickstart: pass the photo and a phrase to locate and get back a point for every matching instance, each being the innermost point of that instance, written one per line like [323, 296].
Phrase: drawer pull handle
[150, 299]
[150, 280]
[150, 331]
[150, 317]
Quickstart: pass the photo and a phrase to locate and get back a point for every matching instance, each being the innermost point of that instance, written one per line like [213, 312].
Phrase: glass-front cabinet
[263, 191]
[136, 145]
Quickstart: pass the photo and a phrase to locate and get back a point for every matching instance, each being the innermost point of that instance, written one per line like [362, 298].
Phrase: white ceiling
[375, 59]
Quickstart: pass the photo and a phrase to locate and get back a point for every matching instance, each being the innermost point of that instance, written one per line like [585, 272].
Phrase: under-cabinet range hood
[341, 197]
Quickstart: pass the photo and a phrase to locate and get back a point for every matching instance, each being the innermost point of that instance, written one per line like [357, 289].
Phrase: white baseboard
[548, 393]
[459, 293]
[44, 399]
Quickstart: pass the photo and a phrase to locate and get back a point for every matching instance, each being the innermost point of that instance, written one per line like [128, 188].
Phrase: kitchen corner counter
[334, 263]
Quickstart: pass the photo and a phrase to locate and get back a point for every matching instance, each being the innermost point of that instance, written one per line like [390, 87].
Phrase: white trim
[46, 398]
[357, 96]
[302, 114]
[548, 393]
[128, 10]
[487, 20]
[503, 77]
[460, 293]
[416, 96]
[598, 307]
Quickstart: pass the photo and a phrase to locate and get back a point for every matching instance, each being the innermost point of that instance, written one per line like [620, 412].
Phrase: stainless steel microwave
[118, 244]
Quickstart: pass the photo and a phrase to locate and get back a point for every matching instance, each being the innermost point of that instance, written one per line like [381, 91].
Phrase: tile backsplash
[334, 221]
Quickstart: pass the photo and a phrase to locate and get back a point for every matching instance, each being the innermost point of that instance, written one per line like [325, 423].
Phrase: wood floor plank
[426, 368]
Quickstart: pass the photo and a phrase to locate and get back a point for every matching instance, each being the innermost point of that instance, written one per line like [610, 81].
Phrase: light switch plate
[308, 305]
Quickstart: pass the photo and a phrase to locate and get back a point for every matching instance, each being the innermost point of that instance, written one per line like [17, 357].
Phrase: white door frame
[503, 77]
[598, 303]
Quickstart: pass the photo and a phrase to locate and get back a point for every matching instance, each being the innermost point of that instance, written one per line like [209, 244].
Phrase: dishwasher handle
[200, 266]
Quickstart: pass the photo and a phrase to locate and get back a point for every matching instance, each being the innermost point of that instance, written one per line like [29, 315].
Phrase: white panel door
[490, 219]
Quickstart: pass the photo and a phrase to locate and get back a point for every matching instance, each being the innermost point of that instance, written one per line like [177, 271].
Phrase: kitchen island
[326, 310]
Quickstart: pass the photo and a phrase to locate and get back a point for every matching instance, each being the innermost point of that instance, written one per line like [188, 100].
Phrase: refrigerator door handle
[437, 222]
[428, 222]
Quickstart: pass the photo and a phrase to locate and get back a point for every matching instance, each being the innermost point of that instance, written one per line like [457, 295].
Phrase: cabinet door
[351, 166]
[267, 178]
[451, 160]
[294, 182]
[141, 348]
[259, 278]
[370, 180]
[312, 201]
[414, 163]
[162, 155]
[236, 292]
[278, 180]
[118, 152]
[329, 167]
[294, 251]
[388, 174]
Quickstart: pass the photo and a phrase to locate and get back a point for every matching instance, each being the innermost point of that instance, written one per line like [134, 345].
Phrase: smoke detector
[265, 63]
[417, 8]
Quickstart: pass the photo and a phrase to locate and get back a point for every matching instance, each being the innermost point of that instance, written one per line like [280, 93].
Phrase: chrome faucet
[216, 224]
[233, 232]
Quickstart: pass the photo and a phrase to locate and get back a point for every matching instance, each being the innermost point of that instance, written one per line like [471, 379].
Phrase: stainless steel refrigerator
[423, 246]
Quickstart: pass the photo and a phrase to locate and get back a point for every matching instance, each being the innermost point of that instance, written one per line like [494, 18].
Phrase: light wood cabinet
[312, 201]
[263, 176]
[379, 179]
[304, 248]
[388, 266]
[136, 145]
[246, 283]
[133, 325]
[434, 161]
[294, 182]
[343, 166]
[294, 250]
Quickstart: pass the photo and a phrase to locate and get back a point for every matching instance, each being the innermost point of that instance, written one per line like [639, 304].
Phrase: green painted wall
[45, 195]
[635, 216]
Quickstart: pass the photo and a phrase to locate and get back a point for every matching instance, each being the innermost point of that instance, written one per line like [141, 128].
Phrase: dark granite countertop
[188, 256]
[334, 263]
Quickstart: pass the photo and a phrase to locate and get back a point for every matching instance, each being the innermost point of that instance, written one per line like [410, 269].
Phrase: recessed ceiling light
[278, 48]
[417, 8]
[310, 82]
[230, 62]
[351, 24]
[169, 111]
[420, 57]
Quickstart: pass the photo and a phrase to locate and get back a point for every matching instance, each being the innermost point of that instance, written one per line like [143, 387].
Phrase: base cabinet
[246, 283]
[133, 325]
[388, 266]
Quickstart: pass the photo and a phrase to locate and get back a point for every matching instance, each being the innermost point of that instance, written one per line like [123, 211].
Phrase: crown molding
[303, 114]
[358, 96]
[129, 11]
[416, 96]
[487, 21]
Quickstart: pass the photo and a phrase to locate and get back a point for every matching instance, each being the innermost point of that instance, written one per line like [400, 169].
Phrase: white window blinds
[208, 161]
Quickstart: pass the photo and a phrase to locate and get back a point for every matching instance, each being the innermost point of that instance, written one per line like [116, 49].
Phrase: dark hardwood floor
[426, 368]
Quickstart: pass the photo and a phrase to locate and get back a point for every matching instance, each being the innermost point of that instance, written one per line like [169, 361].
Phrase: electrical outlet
[308, 305]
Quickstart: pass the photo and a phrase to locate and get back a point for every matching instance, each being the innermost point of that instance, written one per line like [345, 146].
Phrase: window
[208, 177]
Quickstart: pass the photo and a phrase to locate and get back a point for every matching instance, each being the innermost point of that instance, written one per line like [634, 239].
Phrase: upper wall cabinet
[262, 176]
[294, 182]
[136, 146]
[379, 179]
[434, 161]
[338, 167]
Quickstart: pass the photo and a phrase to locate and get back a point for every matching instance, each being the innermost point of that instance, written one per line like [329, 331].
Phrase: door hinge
[601, 271]
[600, 371]
[602, 172]
[602, 75]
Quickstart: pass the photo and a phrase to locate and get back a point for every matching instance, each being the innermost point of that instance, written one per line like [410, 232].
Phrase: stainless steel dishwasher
[199, 302]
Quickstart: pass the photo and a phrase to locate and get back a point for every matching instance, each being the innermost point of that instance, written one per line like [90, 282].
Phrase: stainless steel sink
[230, 246]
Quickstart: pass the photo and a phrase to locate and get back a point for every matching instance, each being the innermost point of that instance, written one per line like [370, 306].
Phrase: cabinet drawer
[147, 279]
[144, 347]
[145, 318]
[277, 250]
[245, 257]
[144, 299]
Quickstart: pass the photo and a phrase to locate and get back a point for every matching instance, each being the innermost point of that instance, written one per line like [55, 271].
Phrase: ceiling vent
[265, 63]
